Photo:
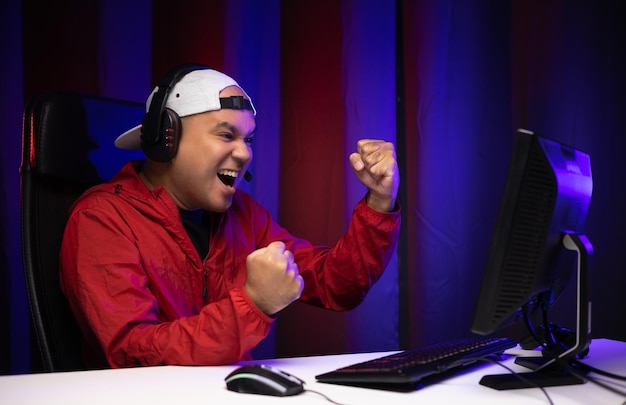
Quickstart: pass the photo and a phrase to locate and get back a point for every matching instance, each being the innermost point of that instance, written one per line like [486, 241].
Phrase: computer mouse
[265, 380]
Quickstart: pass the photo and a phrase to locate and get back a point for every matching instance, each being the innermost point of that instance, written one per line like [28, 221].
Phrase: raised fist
[374, 163]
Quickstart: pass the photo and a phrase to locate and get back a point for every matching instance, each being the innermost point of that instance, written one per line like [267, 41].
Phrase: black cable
[548, 331]
[592, 369]
[549, 343]
[607, 387]
[498, 361]
[326, 397]
[593, 380]
[567, 365]
[529, 325]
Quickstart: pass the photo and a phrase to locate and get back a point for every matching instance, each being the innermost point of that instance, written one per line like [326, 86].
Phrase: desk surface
[205, 385]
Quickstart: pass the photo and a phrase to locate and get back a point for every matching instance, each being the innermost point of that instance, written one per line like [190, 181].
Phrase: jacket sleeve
[340, 276]
[114, 301]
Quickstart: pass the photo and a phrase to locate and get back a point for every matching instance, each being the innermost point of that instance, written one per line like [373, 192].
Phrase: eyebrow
[232, 128]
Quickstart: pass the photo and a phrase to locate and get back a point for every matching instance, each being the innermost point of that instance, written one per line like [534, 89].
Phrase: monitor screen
[530, 260]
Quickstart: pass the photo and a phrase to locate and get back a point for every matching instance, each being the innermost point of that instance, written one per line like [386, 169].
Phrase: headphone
[161, 127]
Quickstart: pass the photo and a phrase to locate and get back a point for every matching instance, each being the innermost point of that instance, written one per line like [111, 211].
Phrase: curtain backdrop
[458, 134]
[448, 81]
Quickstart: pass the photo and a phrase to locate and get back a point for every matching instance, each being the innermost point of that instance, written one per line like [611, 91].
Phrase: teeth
[230, 173]
[227, 177]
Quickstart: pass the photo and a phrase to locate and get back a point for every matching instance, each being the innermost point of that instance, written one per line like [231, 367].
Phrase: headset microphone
[247, 176]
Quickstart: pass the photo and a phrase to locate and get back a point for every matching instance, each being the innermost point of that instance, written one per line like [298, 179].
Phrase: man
[169, 263]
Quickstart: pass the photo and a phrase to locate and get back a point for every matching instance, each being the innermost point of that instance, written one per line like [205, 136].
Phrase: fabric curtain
[458, 136]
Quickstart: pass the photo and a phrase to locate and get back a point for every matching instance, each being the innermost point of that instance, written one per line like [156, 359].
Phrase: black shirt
[197, 224]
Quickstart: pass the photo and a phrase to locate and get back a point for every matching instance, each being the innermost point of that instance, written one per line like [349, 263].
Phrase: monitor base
[550, 376]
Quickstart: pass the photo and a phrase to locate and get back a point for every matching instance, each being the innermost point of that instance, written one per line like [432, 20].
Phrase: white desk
[205, 385]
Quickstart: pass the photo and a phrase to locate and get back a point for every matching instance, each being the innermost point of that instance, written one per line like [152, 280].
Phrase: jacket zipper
[205, 290]
[212, 230]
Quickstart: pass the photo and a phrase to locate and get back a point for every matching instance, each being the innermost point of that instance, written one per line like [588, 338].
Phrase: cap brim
[130, 139]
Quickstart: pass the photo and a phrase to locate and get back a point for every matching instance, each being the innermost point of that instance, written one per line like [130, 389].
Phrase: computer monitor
[537, 245]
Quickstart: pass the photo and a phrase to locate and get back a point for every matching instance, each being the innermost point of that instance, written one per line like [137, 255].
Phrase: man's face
[213, 154]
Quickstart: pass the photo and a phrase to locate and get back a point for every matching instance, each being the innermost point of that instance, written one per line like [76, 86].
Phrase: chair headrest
[71, 135]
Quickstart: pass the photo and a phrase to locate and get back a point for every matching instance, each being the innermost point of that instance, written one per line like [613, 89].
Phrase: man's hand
[375, 165]
[273, 279]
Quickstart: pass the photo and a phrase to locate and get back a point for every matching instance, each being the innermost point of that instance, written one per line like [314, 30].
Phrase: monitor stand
[552, 375]
[549, 371]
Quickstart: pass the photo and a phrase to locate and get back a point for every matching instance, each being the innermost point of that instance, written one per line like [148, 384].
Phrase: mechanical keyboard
[408, 369]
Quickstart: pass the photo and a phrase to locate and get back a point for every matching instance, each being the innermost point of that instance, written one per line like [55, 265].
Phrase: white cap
[197, 92]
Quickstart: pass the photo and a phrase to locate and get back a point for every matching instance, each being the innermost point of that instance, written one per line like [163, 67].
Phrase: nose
[242, 151]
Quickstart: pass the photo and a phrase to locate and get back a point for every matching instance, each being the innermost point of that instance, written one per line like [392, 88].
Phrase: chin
[220, 207]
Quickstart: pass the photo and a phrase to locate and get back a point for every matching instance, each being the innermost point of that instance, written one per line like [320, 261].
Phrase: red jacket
[142, 295]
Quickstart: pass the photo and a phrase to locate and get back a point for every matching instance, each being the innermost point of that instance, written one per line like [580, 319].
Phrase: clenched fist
[273, 279]
[374, 163]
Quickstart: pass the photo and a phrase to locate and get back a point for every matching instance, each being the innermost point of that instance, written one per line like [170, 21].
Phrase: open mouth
[227, 177]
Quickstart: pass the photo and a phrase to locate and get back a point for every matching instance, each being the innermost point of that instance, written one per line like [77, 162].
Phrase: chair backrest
[67, 147]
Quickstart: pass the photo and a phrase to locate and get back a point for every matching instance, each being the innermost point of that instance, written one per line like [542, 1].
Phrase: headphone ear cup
[161, 127]
[163, 146]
